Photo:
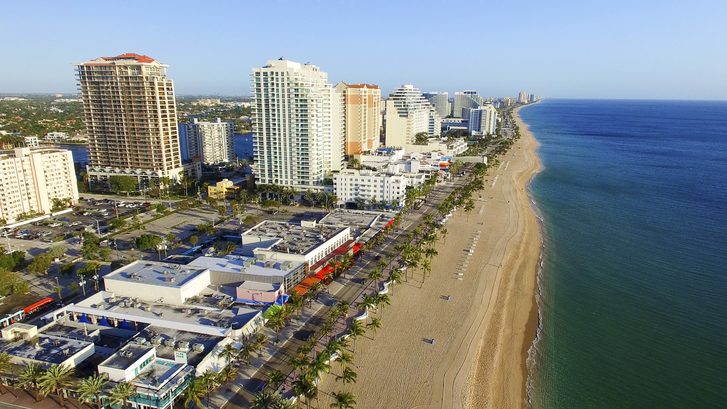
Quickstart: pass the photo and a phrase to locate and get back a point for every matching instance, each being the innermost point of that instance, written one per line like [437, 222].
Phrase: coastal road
[349, 289]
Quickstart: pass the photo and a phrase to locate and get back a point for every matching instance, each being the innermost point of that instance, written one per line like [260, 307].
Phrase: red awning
[390, 223]
[325, 271]
[300, 290]
[356, 248]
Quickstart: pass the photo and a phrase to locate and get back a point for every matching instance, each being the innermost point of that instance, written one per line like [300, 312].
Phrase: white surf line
[495, 181]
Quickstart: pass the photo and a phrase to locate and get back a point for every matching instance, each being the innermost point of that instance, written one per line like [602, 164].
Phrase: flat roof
[126, 356]
[246, 265]
[258, 286]
[164, 335]
[49, 349]
[352, 218]
[157, 373]
[155, 273]
[290, 237]
[196, 318]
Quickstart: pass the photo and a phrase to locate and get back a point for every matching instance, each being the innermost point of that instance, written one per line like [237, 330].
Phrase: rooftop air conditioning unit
[169, 342]
[197, 347]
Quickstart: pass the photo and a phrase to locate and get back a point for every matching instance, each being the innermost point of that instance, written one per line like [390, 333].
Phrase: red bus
[36, 305]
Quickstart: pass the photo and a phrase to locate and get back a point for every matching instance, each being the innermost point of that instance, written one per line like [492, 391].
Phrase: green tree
[56, 380]
[6, 368]
[421, 138]
[121, 393]
[374, 324]
[348, 375]
[343, 400]
[148, 242]
[30, 377]
[122, 184]
[40, 264]
[193, 240]
[194, 393]
[91, 389]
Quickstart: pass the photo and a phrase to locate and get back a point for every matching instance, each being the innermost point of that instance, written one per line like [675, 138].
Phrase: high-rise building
[465, 100]
[522, 97]
[362, 113]
[36, 182]
[297, 141]
[482, 120]
[440, 101]
[407, 114]
[208, 142]
[131, 118]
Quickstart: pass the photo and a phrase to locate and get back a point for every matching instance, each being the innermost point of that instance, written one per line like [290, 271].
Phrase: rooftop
[155, 273]
[126, 356]
[166, 340]
[130, 56]
[199, 318]
[157, 373]
[48, 349]
[247, 265]
[351, 218]
[289, 237]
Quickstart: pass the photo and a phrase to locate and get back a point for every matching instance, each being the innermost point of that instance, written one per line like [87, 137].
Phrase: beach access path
[475, 305]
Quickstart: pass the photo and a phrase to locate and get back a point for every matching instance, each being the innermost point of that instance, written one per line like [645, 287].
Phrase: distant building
[56, 136]
[131, 118]
[221, 189]
[465, 100]
[352, 186]
[440, 102]
[408, 113]
[522, 97]
[36, 181]
[31, 141]
[209, 142]
[362, 110]
[482, 120]
[295, 143]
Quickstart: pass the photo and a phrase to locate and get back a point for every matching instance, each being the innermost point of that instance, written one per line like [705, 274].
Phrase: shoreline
[493, 362]
[478, 304]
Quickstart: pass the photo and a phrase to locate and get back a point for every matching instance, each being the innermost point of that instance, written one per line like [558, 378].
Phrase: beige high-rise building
[362, 113]
[30, 180]
[298, 125]
[408, 113]
[131, 118]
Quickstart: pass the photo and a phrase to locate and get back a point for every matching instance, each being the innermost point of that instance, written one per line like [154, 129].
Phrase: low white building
[31, 141]
[36, 182]
[352, 186]
[307, 243]
[157, 282]
[453, 148]
[56, 136]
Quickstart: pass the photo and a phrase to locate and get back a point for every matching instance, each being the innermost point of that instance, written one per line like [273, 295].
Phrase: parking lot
[90, 215]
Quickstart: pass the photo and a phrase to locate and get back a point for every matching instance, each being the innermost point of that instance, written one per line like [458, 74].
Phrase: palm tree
[382, 300]
[357, 329]
[194, 393]
[30, 377]
[277, 323]
[367, 301]
[345, 358]
[121, 393]
[304, 386]
[211, 381]
[395, 277]
[227, 374]
[91, 388]
[343, 400]
[299, 362]
[374, 324]
[229, 353]
[283, 403]
[6, 367]
[264, 400]
[319, 365]
[347, 376]
[56, 380]
[275, 378]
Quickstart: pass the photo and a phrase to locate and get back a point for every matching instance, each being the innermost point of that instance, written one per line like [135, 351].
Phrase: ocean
[633, 288]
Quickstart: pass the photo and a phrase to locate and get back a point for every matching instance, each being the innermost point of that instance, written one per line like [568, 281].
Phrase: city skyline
[565, 50]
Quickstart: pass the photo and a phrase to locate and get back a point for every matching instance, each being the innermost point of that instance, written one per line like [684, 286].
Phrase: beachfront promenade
[348, 288]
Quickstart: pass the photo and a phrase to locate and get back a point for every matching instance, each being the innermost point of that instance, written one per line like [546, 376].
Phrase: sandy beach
[483, 331]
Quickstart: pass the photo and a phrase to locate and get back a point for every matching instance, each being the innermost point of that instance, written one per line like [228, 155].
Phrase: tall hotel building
[440, 101]
[298, 125]
[465, 100]
[362, 114]
[407, 114]
[208, 142]
[30, 180]
[131, 118]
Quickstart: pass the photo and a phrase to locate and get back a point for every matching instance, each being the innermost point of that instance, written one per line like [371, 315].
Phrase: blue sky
[578, 49]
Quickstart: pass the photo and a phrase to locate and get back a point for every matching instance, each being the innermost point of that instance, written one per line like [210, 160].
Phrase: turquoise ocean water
[633, 290]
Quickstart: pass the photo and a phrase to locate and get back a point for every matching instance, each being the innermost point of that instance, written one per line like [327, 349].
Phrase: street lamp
[83, 286]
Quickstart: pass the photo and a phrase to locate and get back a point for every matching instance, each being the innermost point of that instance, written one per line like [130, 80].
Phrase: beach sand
[483, 332]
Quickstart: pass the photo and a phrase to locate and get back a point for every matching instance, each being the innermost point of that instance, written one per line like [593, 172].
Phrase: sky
[559, 49]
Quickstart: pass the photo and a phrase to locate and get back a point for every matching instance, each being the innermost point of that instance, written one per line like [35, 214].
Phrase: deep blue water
[634, 283]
